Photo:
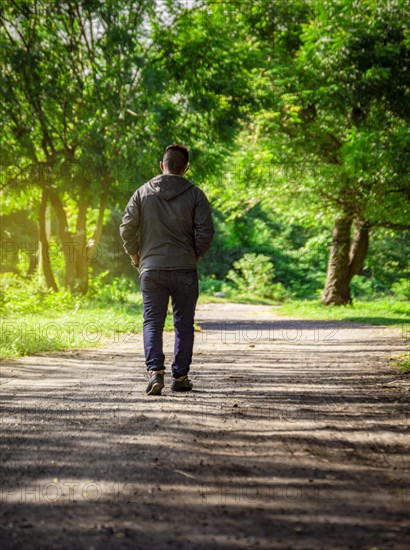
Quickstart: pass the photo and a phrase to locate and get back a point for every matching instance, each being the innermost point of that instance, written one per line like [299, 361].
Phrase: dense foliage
[296, 114]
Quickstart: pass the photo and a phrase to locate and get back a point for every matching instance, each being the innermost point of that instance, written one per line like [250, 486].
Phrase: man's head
[175, 161]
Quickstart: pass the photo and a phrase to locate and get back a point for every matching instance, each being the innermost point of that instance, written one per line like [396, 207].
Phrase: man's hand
[135, 260]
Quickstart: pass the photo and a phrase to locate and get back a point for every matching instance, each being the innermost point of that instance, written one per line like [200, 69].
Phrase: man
[167, 227]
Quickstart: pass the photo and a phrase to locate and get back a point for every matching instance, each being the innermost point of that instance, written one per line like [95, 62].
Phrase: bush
[19, 295]
[116, 290]
[253, 274]
[401, 289]
[36, 319]
[363, 287]
[210, 285]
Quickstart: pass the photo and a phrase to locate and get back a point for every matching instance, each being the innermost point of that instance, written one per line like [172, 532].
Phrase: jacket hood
[169, 186]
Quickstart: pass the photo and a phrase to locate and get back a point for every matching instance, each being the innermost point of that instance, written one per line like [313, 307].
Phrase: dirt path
[296, 437]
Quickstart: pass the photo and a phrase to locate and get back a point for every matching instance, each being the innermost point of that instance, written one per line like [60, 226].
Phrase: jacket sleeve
[129, 228]
[203, 225]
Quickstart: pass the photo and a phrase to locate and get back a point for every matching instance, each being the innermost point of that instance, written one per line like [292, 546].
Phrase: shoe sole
[156, 389]
[181, 389]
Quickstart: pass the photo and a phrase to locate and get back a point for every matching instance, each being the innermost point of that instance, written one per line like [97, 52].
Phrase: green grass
[377, 312]
[60, 322]
[35, 320]
[88, 325]
[31, 333]
[402, 362]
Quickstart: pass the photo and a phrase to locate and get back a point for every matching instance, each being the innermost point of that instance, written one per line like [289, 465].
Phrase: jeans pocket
[187, 278]
[149, 281]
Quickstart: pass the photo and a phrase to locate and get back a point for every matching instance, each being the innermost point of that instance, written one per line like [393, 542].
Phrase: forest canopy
[296, 114]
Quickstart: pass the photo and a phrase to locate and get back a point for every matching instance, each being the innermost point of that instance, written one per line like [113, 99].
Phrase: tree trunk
[67, 242]
[360, 246]
[77, 251]
[337, 287]
[32, 266]
[92, 245]
[81, 260]
[44, 249]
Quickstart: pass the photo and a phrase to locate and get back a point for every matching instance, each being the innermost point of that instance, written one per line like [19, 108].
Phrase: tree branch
[389, 225]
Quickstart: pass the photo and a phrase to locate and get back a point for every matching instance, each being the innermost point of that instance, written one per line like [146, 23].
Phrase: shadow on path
[286, 442]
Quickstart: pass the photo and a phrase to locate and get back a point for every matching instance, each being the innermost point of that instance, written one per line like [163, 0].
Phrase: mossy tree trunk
[346, 259]
[44, 245]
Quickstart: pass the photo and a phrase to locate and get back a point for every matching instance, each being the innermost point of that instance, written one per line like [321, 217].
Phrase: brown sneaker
[181, 384]
[155, 382]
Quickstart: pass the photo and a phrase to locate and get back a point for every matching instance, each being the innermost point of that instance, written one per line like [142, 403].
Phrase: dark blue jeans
[157, 286]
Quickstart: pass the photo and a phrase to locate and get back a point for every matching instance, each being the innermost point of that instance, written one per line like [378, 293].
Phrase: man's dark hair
[176, 158]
